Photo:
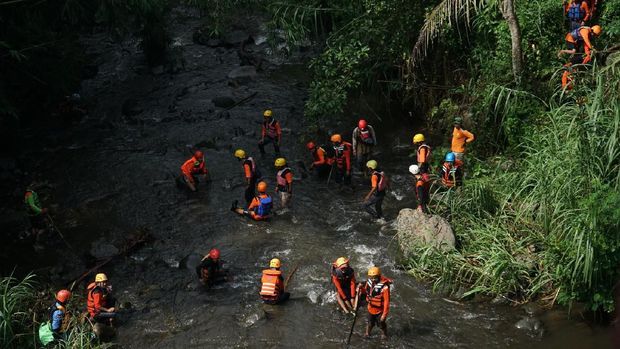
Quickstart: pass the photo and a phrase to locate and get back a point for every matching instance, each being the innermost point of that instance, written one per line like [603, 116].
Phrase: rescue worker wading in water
[364, 140]
[56, 327]
[379, 184]
[270, 133]
[319, 160]
[377, 291]
[284, 180]
[423, 152]
[341, 159]
[194, 167]
[260, 207]
[422, 183]
[99, 301]
[210, 269]
[251, 173]
[343, 277]
[272, 284]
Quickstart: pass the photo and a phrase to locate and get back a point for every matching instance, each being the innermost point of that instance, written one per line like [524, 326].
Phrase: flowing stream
[115, 174]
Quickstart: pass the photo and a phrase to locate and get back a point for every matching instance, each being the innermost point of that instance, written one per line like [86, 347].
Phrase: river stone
[243, 74]
[235, 38]
[103, 250]
[131, 108]
[223, 101]
[530, 324]
[415, 227]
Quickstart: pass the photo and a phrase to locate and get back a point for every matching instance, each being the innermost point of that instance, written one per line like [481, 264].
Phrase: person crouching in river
[343, 277]
[192, 168]
[99, 300]
[210, 269]
[377, 291]
[260, 207]
[272, 289]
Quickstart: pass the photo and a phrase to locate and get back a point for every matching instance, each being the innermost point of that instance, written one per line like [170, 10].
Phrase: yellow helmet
[374, 271]
[418, 138]
[372, 164]
[274, 263]
[597, 29]
[280, 162]
[240, 154]
[336, 138]
[267, 113]
[341, 261]
[101, 277]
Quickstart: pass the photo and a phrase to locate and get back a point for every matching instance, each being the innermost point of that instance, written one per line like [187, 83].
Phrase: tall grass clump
[546, 222]
[16, 303]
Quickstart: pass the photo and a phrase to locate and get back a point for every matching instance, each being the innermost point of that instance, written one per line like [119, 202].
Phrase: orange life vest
[427, 154]
[374, 294]
[271, 128]
[382, 180]
[271, 283]
[93, 309]
[341, 152]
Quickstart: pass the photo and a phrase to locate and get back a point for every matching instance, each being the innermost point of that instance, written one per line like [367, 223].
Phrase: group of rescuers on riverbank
[333, 161]
[579, 38]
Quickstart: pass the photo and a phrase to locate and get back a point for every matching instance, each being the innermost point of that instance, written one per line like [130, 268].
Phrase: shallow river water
[114, 175]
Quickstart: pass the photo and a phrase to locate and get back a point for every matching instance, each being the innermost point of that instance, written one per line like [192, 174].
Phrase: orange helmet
[63, 296]
[336, 138]
[214, 253]
[199, 155]
[261, 186]
[310, 145]
[596, 29]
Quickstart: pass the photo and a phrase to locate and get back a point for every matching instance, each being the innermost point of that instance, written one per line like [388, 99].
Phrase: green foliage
[549, 223]
[16, 298]
[219, 13]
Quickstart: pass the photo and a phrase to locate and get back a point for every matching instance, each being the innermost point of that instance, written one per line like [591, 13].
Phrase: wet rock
[157, 70]
[89, 71]
[530, 324]
[223, 115]
[242, 74]
[235, 38]
[103, 250]
[131, 108]
[415, 227]
[201, 36]
[223, 101]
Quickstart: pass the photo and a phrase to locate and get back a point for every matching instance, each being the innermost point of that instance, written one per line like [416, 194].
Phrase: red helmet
[198, 154]
[310, 145]
[214, 253]
[63, 296]
[362, 123]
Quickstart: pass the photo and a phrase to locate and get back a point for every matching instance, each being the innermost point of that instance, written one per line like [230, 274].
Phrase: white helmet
[414, 169]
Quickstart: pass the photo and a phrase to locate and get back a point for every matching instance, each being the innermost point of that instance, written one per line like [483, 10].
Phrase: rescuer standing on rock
[271, 132]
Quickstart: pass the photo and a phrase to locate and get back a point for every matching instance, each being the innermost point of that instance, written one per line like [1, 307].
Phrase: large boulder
[415, 227]
[242, 74]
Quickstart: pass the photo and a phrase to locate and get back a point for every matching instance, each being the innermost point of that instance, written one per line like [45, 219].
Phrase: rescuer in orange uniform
[271, 132]
[284, 181]
[423, 153]
[99, 301]
[319, 160]
[460, 138]
[579, 41]
[260, 207]
[343, 277]
[194, 167]
[578, 13]
[341, 159]
[377, 291]
[272, 284]
[250, 172]
[210, 269]
[379, 184]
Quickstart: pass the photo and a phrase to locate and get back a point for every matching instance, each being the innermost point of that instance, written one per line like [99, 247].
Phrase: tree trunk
[508, 12]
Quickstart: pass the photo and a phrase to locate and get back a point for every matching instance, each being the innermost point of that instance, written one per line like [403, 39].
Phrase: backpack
[575, 13]
[264, 209]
